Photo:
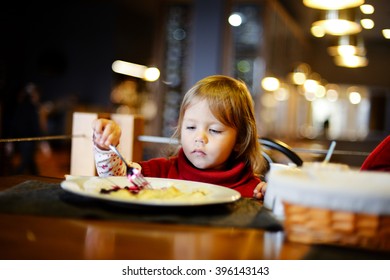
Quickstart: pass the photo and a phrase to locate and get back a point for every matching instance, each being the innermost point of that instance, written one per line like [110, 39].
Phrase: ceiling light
[332, 95]
[270, 83]
[311, 85]
[300, 73]
[347, 45]
[127, 68]
[135, 70]
[235, 19]
[151, 74]
[367, 9]
[281, 94]
[386, 33]
[367, 23]
[312, 82]
[339, 22]
[351, 61]
[354, 97]
[332, 4]
[298, 78]
[317, 31]
[310, 96]
[320, 91]
[332, 92]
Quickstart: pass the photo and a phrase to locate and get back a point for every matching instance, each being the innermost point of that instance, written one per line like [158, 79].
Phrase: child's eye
[215, 131]
[189, 127]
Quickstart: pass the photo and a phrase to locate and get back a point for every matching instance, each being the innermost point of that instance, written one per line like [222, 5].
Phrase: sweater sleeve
[160, 167]
[109, 164]
[379, 158]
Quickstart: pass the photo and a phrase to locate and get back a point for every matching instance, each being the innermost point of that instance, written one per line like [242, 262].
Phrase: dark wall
[67, 49]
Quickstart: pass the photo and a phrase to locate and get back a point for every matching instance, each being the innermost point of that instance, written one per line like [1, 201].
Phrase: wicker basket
[324, 226]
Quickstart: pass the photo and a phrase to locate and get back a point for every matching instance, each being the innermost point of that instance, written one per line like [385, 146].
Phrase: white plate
[90, 187]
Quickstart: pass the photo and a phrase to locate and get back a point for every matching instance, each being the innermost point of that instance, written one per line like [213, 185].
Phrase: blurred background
[57, 58]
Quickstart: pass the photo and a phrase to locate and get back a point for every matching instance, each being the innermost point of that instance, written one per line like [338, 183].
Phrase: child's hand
[105, 132]
[259, 191]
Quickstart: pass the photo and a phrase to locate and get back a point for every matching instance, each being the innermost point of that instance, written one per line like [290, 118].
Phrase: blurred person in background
[26, 123]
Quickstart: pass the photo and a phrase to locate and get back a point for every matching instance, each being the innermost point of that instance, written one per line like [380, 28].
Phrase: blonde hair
[231, 103]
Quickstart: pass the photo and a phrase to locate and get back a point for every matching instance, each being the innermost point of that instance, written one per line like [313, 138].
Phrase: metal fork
[133, 174]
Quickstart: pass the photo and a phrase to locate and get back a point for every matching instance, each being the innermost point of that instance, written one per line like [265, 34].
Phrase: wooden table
[39, 237]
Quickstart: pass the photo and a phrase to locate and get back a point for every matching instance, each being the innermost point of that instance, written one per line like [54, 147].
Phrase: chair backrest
[272, 145]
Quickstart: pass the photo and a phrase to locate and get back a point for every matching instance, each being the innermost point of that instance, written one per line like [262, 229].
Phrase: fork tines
[138, 179]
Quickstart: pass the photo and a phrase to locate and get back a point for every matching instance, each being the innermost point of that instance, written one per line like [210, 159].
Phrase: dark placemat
[49, 199]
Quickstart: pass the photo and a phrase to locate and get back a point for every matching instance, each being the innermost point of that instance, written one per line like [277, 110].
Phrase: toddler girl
[218, 140]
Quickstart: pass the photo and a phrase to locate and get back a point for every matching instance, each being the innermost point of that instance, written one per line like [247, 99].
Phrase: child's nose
[201, 138]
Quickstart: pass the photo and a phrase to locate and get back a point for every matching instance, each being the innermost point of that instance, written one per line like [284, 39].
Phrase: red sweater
[379, 158]
[238, 177]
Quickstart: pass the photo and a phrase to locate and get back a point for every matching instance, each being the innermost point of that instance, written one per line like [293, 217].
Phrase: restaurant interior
[315, 89]
[67, 52]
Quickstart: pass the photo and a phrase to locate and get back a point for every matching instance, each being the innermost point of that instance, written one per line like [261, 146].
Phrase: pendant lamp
[347, 45]
[332, 4]
[351, 61]
[338, 22]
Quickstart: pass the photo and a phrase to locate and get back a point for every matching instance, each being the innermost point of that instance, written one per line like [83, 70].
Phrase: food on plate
[164, 192]
[171, 193]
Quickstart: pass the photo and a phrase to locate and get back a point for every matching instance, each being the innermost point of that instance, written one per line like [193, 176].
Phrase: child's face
[207, 143]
